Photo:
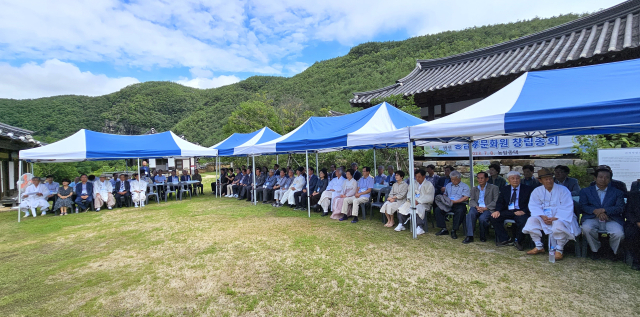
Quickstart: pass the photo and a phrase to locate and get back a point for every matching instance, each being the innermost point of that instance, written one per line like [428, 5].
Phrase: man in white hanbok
[334, 189]
[551, 207]
[424, 195]
[35, 196]
[102, 193]
[297, 185]
[138, 191]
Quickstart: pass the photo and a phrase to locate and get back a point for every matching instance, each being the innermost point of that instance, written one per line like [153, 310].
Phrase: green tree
[251, 116]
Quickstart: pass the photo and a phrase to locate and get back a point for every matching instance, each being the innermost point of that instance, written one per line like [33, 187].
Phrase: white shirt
[336, 184]
[558, 203]
[102, 188]
[298, 183]
[517, 205]
[138, 186]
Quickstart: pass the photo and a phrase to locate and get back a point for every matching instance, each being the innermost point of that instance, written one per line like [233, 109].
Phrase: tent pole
[317, 164]
[412, 190]
[375, 167]
[277, 157]
[217, 179]
[471, 174]
[255, 200]
[247, 161]
[306, 154]
[19, 188]
[31, 168]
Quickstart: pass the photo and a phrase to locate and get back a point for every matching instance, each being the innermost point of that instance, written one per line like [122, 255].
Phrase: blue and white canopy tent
[597, 99]
[381, 126]
[227, 146]
[86, 145]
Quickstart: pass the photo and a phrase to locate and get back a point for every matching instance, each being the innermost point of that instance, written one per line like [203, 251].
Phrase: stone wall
[506, 165]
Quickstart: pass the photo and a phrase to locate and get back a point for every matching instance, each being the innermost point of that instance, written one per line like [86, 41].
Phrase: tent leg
[253, 167]
[19, 189]
[412, 190]
[375, 167]
[277, 159]
[217, 178]
[317, 164]
[471, 173]
[306, 154]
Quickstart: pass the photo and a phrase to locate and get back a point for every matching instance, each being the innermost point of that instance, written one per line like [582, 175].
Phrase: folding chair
[170, 189]
[184, 188]
[153, 191]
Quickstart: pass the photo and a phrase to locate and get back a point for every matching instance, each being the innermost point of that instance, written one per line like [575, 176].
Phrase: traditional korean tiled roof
[17, 134]
[588, 39]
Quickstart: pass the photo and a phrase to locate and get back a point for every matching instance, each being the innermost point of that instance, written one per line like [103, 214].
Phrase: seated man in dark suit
[619, 185]
[512, 204]
[186, 177]
[260, 179]
[246, 184]
[300, 197]
[632, 227]
[602, 209]
[123, 191]
[482, 203]
[84, 191]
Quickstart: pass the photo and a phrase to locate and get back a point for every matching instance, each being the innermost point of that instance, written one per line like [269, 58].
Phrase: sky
[96, 47]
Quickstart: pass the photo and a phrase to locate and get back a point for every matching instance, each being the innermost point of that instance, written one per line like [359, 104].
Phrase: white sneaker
[97, 209]
[399, 228]
[33, 212]
[26, 214]
[76, 209]
[136, 206]
[141, 204]
[109, 208]
[43, 213]
[419, 231]
[235, 196]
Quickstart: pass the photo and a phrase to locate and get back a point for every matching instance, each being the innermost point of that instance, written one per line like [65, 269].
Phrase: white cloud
[204, 83]
[54, 77]
[235, 36]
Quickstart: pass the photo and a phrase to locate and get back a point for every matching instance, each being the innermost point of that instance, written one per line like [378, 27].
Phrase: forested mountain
[201, 114]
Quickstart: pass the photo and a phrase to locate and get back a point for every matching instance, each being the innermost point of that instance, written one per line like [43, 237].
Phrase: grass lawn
[222, 257]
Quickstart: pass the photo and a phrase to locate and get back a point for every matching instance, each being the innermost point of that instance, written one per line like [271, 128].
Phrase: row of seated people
[81, 194]
[346, 190]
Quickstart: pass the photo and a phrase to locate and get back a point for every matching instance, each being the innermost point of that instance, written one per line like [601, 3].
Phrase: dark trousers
[81, 205]
[632, 239]
[266, 194]
[199, 186]
[244, 192]
[118, 198]
[459, 210]
[53, 199]
[298, 197]
[483, 220]
[403, 219]
[236, 189]
[315, 199]
[501, 231]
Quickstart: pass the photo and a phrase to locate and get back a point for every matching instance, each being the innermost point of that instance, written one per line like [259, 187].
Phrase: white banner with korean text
[502, 147]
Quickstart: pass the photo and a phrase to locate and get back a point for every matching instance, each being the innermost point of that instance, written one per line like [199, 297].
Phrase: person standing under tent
[349, 189]
[528, 179]
[297, 185]
[602, 208]
[103, 193]
[144, 170]
[334, 189]
[356, 174]
[284, 185]
[482, 203]
[424, 195]
[512, 204]
[197, 177]
[301, 197]
[84, 192]
[495, 178]
[138, 191]
[381, 177]
[458, 193]
[365, 185]
[53, 189]
[432, 177]
[35, 196]
[395, 199]
[122, 189]
[64, 201]
[445, 180]
[561, 173]
[551, 207]
[321, 186]
[391, 177]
